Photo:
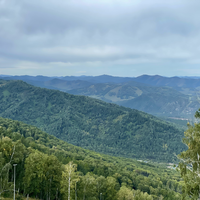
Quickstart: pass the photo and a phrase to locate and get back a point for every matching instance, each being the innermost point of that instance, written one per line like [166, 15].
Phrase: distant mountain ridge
[92, 79]
[150, 99]
[175, 82]
[161, 96]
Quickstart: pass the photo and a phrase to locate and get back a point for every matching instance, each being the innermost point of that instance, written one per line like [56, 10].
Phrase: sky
[87, 37]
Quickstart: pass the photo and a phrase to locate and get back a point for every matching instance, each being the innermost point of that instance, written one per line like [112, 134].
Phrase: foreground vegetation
[46, 166]
[190, 161]
[91, 123]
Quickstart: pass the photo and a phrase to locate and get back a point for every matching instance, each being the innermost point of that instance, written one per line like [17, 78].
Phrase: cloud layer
[75, 37]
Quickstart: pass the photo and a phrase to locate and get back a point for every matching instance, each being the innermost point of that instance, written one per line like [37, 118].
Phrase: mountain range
[176, 97]
[42, 159]
[91, 123]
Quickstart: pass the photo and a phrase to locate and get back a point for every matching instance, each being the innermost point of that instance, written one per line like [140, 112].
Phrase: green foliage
[91, 123]
[69, 179]
[190, 161]
[125, 194]
[179, 122]
[161, 96]
[43, 163]
[42, 175]
[10, 153]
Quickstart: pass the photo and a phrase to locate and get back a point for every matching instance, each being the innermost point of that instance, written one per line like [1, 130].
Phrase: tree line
[48, 168]
[91, 123]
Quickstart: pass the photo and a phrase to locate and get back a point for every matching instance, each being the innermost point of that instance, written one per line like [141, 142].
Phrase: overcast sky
[94, 37]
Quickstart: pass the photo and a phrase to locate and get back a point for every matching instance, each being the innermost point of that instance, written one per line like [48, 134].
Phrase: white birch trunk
[70, 170]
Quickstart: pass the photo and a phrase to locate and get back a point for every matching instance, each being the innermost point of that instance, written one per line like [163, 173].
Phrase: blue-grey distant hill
[91, 79]
[99, 79]
[162, 96]
[184, 85]
[161, 101]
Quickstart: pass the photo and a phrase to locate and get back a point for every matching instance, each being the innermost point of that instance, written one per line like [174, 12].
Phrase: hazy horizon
[7, 75]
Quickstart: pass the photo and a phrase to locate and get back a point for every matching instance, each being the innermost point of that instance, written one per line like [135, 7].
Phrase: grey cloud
[99, 31]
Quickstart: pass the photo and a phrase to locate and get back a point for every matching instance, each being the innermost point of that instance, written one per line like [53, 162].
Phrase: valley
[41, 157]
[157, 95]
[99, 100]
[114, 149]
[91, 123]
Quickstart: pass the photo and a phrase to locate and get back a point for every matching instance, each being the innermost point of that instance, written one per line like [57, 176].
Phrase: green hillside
[161, 101]
[185, 85]
[91, 123]
[42, 162]
[157, 95]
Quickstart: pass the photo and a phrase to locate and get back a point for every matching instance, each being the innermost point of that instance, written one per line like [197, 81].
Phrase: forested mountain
[185, 85]
[65, 85]
[175, 82]
[91, 123]
[179, 83]
[91, 79]
[157, 95]
[44, 163]
[161, 101]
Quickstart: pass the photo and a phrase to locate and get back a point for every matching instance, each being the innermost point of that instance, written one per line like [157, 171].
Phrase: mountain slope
[64, 85]
[91, 123]
[157, 95]
[168, 81]
[189, 86]
[155, 100]
[31, 144]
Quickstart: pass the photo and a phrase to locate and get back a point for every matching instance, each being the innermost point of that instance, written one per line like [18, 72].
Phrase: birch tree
[190, 161]
[88, 186]
[7, 151]
[68, 176]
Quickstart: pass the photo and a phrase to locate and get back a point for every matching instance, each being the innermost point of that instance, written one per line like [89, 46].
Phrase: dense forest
[46, 166]
[160, 101]
[91, 123]
[157, 95]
